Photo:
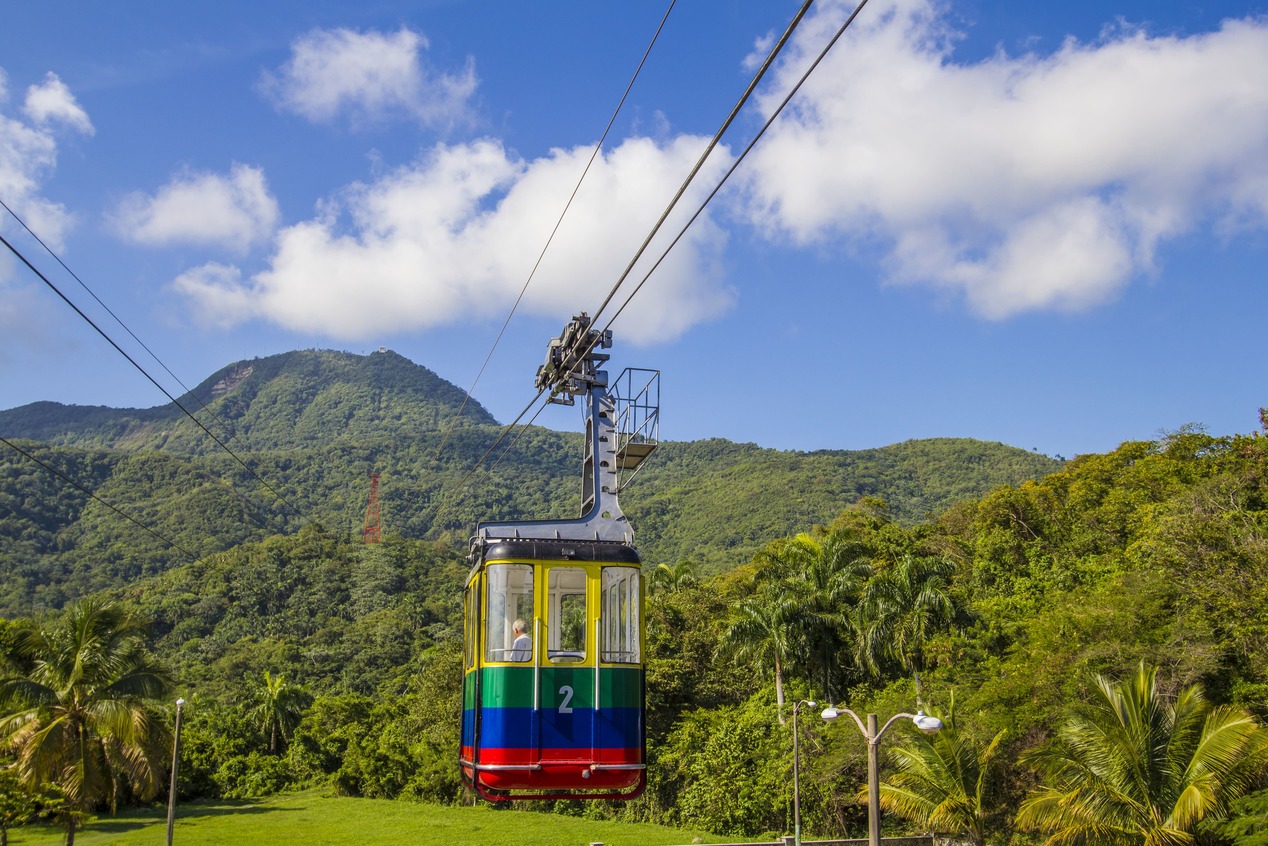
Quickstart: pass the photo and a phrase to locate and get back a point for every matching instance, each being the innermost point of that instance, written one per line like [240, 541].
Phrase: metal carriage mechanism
[553, 688]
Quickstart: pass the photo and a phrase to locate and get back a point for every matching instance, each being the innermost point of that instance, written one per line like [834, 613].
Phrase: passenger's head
[519, 627]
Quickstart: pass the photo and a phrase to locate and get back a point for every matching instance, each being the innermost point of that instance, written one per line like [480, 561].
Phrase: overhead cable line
[713, 143]
[734, 165]
[506, 430]
[173, 544]
[717, 137]
[227, 428]
[153, 381]
[523, 429]
[740, 158]
[594, 154]
[778, 47]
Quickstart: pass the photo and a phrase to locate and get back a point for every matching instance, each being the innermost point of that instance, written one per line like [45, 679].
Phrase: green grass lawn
[310, 819]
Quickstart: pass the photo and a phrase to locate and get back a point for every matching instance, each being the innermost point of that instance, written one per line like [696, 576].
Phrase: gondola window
[620, 599]
[510, 598]
[567, 622]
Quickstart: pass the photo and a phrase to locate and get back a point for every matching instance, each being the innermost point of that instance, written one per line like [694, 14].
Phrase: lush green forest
[307, 429]
[1095, 640]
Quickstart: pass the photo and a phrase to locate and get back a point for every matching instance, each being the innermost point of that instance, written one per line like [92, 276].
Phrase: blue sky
[1041, 224]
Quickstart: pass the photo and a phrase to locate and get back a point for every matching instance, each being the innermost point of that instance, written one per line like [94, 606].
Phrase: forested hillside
[307, 428]
[998, 614]
[715, 503]
[1031, 616]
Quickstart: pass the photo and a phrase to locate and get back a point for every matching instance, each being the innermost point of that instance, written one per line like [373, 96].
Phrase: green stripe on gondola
[512, 687]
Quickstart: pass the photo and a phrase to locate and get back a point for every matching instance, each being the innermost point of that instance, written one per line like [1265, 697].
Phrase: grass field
[310, 819]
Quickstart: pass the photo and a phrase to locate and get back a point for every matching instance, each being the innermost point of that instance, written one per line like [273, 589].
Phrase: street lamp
[171, 792]
[796, 774]
[923, 722]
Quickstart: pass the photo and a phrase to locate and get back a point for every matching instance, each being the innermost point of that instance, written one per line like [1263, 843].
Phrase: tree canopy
[80, 708]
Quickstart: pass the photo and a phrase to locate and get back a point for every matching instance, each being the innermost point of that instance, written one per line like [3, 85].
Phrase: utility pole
[176, 759]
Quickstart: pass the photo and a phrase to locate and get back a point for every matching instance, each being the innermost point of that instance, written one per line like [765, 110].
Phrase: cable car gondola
[553, 682]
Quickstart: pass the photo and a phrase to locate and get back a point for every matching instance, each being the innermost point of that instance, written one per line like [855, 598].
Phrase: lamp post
[171, 792]
[873, 736]
[797, 773]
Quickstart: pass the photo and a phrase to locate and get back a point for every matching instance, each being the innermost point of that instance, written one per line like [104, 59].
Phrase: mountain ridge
[309, 427]
[313, 388]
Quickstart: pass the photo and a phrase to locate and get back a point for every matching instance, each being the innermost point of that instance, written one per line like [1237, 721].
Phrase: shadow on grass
[146, 817]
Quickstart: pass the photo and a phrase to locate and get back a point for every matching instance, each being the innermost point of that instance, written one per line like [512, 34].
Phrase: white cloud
[1025, 183]
[52, 101]
[218, 291]
[370, 77]
[454, 237]
[28, 155]
[233, 211]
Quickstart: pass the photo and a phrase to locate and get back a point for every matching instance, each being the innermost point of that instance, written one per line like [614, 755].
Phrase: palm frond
[1140, 766]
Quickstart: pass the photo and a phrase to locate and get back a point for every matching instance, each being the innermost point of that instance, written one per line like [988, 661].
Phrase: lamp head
[830, 713]
[925, 723]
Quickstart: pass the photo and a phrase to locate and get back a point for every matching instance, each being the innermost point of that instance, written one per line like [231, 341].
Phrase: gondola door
[569, 670]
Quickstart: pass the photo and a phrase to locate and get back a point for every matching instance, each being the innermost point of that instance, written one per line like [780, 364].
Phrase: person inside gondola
[522, 649]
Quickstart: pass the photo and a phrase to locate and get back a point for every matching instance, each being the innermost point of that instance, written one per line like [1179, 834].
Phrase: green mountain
[294, 400]
[308, 427]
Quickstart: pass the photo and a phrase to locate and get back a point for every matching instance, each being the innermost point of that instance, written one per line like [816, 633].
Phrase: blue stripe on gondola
[468, 727]
[616, 728]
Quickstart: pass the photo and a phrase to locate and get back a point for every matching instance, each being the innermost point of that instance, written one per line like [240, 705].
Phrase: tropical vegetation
[1035, 613]
[79, 710]
[1139, 768]
[153, 491]
[941, 781]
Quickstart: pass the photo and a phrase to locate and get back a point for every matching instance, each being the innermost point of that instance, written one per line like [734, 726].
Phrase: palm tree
[903, 607]
[761, 633]
[834, 569]
[278, 709]
[666, 579]
[819, 579]
[1137, 769]
[800, 613]
[77, 708]
[941, 779]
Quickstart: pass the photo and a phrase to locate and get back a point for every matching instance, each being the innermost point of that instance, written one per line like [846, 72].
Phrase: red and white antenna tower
[370, 534]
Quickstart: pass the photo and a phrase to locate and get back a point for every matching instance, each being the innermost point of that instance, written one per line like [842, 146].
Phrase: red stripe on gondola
[530, 757]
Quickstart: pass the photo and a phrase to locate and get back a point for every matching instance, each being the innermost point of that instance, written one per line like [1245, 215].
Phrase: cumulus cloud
[1021, 182]
[233, 211]
[369, 77]
[218, 291]
[28, 154]
[52, 101]
[454, 236]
